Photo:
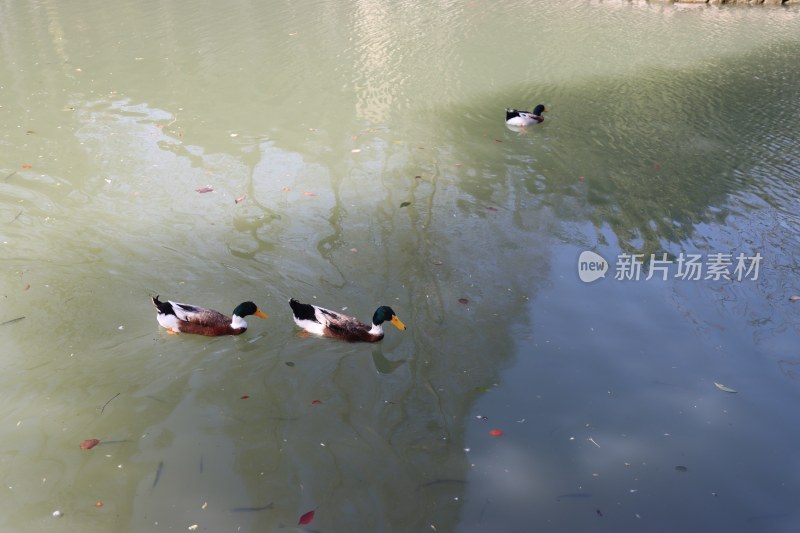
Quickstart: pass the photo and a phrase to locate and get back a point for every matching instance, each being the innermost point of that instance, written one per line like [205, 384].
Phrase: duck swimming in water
[515, 117]
[321, 321]
[185, 318]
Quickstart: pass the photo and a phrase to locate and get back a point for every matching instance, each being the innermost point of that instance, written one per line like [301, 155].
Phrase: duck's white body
[524, 119]
[515, 117]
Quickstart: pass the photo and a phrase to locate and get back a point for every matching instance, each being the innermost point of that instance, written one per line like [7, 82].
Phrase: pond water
[357, 156]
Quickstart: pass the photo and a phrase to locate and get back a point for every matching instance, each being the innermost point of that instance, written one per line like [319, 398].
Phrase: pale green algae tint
[670, 129]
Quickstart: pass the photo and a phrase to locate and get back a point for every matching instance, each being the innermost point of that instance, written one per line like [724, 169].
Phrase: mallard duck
[515, 117]
[320, 321]
[185, 318]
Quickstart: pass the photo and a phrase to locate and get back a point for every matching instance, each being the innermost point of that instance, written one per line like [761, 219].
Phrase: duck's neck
[376, 330]
[238, 322]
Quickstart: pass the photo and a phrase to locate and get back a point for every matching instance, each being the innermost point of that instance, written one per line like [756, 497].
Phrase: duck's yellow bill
[398, 323]
[260, 314]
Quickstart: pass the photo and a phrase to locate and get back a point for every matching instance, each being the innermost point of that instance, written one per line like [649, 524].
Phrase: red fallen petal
[306, 518]
[496, 433]
[244, 397]
[88, 444]
[315, 402]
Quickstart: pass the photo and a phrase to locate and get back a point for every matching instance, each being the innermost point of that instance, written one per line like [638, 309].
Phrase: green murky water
[670, 130]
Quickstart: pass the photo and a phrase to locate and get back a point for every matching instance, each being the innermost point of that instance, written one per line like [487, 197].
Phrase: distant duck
[515, 117]
[320, 321]
[185, 318]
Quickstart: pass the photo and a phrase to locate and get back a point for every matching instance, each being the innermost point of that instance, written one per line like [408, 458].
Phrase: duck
[515, 117]
[327, 323]
[186, 318]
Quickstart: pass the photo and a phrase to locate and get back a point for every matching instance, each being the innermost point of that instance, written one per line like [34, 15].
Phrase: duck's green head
[248, 308]
[539, 109]
[385, 314]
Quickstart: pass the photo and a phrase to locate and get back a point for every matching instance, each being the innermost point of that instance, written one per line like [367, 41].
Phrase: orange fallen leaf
[26, 166]
[285, 189]
[88, 444]
[98, 504]
[242, 198]
[309, 193]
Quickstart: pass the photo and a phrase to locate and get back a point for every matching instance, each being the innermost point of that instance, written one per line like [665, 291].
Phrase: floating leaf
[417, 177]
[306, 518]
[244, 396]
[207, 188]
[681, 468]
[794, 298]
[491, 208]
[88, 444]
[309, 193]
[98, 504]
[316, 402]
[723, 388]
[405, 204]
[289, 363]
[463, 301]
[241, 199]
[26, 166]
[496, 432]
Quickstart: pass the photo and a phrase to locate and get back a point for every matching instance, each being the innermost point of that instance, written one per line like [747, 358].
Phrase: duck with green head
[186, 318]
[321, 321]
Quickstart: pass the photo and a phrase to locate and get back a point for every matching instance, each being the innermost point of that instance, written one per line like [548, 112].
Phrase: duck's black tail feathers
[163, 307]
[303, 311]
[511, 113]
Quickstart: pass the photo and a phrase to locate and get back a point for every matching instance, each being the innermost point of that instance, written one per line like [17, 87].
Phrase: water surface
[365, 143]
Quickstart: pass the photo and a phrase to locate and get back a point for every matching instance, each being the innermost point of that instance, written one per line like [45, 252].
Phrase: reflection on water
[365, 146]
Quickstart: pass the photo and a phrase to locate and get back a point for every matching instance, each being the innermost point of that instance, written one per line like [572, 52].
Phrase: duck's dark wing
[199, 315]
